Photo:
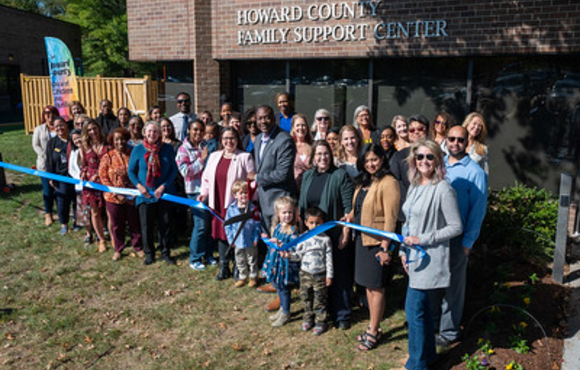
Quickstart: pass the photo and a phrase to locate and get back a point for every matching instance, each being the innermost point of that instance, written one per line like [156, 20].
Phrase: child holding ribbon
[282, 272]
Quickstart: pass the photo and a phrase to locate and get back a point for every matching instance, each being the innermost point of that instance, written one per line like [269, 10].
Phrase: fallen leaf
[113, 287]
[267, 352]
[222, 326]
[237, 347]
[9, 336]
[88, 339]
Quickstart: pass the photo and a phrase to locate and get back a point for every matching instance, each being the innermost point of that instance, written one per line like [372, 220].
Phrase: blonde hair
[239, 185]
[414, 175]
[308, 139]
[480, 139]
[396, 118]
[340, 151]
[284, 201]
[322, 112]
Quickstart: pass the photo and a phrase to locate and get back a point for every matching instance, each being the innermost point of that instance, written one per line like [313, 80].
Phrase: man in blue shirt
[470, 184]
[284, 103]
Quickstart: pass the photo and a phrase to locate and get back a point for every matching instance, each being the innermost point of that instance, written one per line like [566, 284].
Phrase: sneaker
[88, 240]
[77, 228]
[319, 329]
[306, 326]
[198, 266]
[275, 316]
[211, 261]
[63, 230]
[281, 320]
[240, 283]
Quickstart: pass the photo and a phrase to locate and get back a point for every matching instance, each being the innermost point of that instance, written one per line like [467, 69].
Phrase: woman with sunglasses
[42, 134]
[322, 123]
[432, 220]
[439, 127]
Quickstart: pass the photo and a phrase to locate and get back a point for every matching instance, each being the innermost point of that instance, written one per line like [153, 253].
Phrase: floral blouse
[113, 172]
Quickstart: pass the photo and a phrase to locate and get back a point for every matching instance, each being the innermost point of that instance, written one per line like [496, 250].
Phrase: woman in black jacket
[57, 163]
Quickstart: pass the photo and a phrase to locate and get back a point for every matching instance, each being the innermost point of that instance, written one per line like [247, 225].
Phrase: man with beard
[470, 184]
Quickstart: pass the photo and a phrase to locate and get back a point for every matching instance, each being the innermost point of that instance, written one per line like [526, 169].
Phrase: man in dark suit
[275, 152]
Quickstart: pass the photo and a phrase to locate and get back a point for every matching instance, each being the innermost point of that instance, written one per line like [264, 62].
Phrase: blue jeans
[284, 295]
[48, 195]
[200, 244]
[421, 335]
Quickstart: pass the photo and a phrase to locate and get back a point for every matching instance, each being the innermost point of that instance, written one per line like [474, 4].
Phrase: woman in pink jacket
[222, 169]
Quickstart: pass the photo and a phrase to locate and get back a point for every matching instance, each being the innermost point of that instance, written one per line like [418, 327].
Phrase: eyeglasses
[452, 139]
[420, 157]
[418, 129]
[323, 118]
[182, 101]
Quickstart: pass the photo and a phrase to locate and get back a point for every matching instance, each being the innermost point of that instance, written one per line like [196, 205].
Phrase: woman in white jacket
[42, 134]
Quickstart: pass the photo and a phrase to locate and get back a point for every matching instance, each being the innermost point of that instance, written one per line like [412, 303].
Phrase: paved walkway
[571, 358]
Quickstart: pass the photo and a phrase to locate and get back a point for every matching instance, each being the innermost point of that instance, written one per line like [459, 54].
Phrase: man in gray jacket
[275, 152]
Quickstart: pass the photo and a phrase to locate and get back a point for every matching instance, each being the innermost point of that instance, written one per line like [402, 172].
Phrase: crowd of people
[273, 174]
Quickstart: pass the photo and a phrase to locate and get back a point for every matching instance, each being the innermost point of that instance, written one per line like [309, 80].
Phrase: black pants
[64, 196]
[160, 213]
[341, 288]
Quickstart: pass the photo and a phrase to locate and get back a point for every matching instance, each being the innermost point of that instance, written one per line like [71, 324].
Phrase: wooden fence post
[562, 228]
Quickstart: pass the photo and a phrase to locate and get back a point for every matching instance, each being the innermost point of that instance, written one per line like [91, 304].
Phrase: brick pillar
[206, 71]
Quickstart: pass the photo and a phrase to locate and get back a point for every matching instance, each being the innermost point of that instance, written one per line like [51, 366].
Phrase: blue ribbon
[130, 193]
[197, 204]
[329, 225]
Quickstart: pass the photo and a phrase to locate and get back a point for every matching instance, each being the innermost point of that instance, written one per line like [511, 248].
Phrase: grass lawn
[68, 307]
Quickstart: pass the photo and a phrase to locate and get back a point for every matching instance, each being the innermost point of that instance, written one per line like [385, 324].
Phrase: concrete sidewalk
[571, 356]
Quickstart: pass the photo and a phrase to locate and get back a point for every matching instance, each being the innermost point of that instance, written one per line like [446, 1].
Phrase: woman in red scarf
[152, 169]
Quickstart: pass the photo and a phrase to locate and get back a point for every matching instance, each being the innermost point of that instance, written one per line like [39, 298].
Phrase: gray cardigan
[40, 139]
[431, 215]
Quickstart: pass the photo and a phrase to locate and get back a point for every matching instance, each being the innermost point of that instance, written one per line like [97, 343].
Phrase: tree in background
[103, 25]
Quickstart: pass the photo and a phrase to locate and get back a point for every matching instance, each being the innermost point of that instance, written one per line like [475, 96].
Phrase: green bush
[521, 221]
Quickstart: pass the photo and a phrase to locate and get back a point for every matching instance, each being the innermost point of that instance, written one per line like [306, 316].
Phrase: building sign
[281, 25]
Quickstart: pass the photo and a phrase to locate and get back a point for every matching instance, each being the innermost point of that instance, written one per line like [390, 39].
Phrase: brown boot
[48, 219]
[274, 305]
[252, 283]
[267, 289]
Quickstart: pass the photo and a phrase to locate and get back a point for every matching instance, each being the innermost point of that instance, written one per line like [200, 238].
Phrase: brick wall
[161, 30]
[22, 36]
[474, 27]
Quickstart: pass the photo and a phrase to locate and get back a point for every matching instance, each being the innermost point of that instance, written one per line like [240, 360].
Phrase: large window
[258, 83]
[419, 86]
[531, 105]
[336, 85]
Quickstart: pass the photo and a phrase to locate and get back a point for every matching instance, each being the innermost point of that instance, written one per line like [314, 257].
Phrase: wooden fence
[137, 94]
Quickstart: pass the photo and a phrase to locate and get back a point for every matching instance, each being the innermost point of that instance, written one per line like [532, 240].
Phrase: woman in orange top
[121, 210]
